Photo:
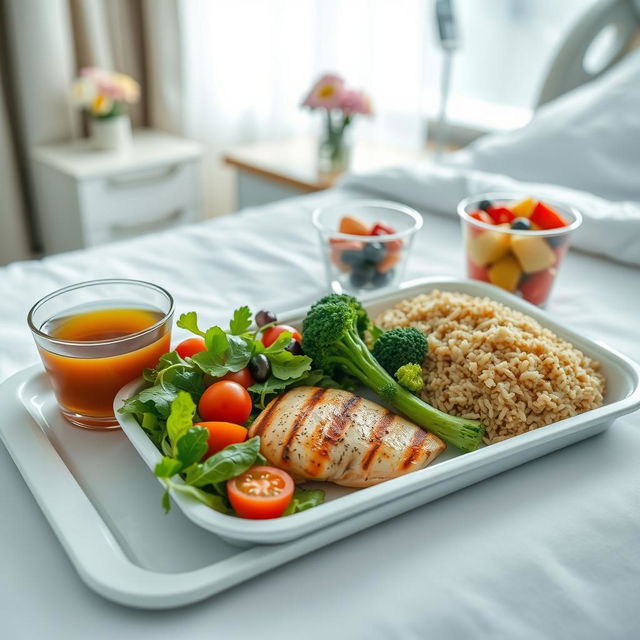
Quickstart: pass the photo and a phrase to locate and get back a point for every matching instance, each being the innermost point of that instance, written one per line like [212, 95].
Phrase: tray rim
[265, 532]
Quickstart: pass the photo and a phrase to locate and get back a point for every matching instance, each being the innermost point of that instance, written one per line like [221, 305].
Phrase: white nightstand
[87, 197]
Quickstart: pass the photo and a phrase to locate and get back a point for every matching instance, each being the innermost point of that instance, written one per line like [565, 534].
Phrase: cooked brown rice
[489, 362]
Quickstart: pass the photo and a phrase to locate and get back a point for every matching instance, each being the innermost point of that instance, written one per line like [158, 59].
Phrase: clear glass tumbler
[373, 259]
[95, 337]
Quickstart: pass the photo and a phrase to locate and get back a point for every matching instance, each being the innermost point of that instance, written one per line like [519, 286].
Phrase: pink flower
[327, 92]
[353, 102]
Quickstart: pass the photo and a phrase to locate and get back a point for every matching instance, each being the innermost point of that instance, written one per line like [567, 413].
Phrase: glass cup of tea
[95, 337]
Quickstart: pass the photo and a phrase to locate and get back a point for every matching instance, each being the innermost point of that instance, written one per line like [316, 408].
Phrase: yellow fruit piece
[506, 273]
[533, 253]
[524, 208]
[487, 247]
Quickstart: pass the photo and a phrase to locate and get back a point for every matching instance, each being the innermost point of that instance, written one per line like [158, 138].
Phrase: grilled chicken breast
[334, 435]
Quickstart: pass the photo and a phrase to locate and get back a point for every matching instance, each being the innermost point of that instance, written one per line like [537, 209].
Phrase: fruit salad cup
[516, 242]
[365, 243]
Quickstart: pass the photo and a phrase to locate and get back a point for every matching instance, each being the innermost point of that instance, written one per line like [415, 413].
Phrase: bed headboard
[600, 38]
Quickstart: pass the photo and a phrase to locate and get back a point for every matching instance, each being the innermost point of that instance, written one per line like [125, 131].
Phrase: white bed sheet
[548, 550]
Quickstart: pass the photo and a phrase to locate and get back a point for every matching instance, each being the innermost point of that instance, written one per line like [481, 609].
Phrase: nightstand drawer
[139, 196]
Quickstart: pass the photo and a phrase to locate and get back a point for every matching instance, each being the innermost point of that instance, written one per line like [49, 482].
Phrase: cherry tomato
[225, 401]
[242, 377]
[221, 435]
[272, 333]
[189, 347]
[261, 492]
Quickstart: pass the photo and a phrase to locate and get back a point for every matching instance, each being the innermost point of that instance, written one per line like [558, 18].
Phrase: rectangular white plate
[450, 471]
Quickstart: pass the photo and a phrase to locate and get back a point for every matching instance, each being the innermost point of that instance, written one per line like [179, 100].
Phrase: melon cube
[533, 253]
[506, 273]
[487, 247]
[524, 208]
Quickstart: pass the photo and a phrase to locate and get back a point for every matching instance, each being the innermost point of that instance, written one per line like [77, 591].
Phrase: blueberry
[383, 279]
[362, 274]
[523, 224]
[484, 204]
[557, 241]
[374, 251]
[352, 257]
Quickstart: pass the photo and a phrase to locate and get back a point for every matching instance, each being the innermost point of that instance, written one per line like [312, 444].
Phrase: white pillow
[587, 139]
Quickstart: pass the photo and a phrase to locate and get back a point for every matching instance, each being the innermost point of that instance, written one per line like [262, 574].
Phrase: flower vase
[334, 148]
[111, 133]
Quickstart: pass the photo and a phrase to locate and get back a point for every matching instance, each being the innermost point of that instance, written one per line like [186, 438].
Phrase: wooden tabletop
[293, 162]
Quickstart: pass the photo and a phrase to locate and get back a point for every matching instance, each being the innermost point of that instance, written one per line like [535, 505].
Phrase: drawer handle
[137, 179]
[118, 228]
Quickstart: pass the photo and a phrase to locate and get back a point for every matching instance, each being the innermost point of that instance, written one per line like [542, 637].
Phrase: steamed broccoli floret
[410, 377]
[362, 317]
[400, 346]
[331, 337]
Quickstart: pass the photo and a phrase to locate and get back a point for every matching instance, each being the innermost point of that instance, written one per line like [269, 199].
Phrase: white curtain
[248, 64]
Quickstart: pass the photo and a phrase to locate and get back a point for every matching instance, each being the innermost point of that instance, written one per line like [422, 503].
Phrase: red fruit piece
[546, 217]
[501, 215]
[381, 229]
[482, 216]
[536, 288]
[476, 272]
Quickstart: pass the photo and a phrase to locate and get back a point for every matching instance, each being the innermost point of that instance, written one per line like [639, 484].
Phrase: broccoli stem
[356, 359]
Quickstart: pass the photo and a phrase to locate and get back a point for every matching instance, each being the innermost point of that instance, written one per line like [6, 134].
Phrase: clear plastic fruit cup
[370, 260]
[524, 262]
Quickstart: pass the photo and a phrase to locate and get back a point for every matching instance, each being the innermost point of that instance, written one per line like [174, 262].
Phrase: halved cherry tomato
[272, 333]
[242, 377]
[225, 401]
[546, 217]
[261, 492]
[222, 434]
[189, 347]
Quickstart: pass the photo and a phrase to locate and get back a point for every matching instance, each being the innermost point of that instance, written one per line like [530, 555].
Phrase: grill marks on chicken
[334, 435]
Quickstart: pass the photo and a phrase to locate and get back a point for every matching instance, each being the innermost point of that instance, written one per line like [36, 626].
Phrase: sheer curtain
[248, 64]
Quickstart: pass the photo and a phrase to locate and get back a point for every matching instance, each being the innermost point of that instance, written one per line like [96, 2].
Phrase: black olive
[265, 317]
[374, 251]
[260, 367]
[294, 347]
[484, 204]
[523, 224]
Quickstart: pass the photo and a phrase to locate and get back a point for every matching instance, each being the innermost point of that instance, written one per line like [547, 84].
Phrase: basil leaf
[210, 363]
[304, 499]
[238, 354]
[180, 419]
[228, 463]
[284, 365]
[279, 343]
[241, 321]
[189, 321]
[192, 446]
[215, 502]
[166, 501]
[216, 340]
[167, 467]
[156, 399]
